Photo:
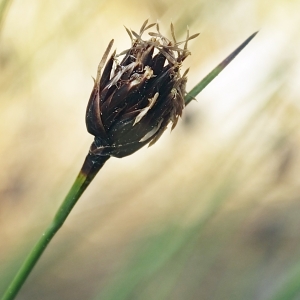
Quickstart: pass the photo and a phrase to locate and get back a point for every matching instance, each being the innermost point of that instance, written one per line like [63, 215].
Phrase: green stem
[90, 168]
[216, 71]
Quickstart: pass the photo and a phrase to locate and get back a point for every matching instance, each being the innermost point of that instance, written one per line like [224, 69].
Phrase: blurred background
[211, 211]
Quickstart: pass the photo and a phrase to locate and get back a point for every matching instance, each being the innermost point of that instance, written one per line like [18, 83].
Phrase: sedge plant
[132, 103]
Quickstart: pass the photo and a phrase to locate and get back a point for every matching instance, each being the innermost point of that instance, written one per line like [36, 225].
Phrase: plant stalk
[216, 71]
[90, 168]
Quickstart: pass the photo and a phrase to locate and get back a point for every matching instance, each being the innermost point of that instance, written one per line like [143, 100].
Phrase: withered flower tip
[134, 100]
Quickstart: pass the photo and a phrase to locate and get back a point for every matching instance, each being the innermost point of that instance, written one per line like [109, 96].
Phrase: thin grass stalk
[90, 168]
[216, 71]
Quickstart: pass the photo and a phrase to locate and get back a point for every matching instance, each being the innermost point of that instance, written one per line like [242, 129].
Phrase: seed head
[134, 99]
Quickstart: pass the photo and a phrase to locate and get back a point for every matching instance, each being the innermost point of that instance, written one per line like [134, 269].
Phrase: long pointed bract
[216, 71]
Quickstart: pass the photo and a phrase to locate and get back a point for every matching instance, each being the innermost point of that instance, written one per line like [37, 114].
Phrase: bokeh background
[210, 212]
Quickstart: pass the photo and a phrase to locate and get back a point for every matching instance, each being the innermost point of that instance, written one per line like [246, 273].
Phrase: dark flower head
[135, 99]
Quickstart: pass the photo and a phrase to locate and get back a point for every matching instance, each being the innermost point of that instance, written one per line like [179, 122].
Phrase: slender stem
[216, 71]
[90, 168]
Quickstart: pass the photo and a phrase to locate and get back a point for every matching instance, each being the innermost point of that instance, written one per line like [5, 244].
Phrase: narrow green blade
[216, 71]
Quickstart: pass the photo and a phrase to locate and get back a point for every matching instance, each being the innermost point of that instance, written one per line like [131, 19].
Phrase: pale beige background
[209, 212]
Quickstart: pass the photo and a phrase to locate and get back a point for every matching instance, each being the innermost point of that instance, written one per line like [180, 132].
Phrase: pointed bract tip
[217, 70]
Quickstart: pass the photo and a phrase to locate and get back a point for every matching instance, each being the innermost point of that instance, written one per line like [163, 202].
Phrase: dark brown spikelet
[134, 99]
